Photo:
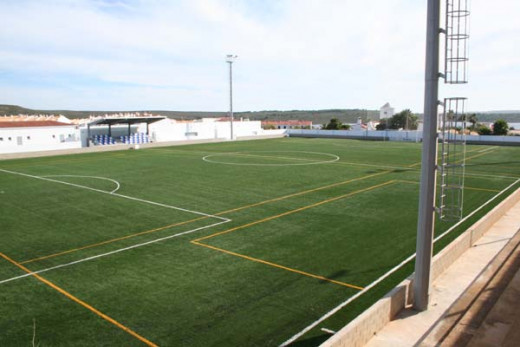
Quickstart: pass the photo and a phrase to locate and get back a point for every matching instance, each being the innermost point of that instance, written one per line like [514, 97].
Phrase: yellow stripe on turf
[112, 240]
[294, 211]
[469, 188]
[80, 302]
[278, 266]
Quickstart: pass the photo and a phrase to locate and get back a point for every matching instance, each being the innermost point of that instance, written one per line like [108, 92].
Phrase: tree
[334, 124]
[472, 118]
[268, 126]
[382, 125]
[483, 130]
[403, 120]
[500, 127]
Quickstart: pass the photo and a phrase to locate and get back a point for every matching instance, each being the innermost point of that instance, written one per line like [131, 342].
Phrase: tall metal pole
[425, 224]
[229, 59]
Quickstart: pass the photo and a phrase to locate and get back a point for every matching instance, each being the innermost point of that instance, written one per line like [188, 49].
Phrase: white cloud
[293, 54]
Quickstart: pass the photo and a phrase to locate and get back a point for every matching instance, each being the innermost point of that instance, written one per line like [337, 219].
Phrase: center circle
[271, 158]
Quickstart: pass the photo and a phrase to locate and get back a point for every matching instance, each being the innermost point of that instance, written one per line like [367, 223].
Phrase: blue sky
[293, 54]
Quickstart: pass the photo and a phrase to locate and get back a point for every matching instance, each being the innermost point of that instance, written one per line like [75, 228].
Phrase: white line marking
[486, 176]
[382, 166]
[112, 252]
[96, 177]
[486, 149]
[115, 194]
[475, 211]
[253, 154]
[387, 274]
[328, 331]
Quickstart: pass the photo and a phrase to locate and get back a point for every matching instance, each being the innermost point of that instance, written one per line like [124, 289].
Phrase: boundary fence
[399, 135]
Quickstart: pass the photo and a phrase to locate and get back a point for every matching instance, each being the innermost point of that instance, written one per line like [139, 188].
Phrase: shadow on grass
[311, 341]
[336, 275]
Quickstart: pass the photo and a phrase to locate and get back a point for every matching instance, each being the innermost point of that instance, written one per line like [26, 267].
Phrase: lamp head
[231, 58]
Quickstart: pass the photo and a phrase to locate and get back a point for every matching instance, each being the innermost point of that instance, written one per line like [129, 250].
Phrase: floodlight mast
[426, 218]
[230, 58]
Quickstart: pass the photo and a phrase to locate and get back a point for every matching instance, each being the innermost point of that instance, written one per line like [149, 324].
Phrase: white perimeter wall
[398, 135]
[33, 139]
[167, 131]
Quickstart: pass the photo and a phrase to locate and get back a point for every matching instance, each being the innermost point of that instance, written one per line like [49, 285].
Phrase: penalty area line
[111, 252]
[200, 218]
[114, 194]
[96, 177]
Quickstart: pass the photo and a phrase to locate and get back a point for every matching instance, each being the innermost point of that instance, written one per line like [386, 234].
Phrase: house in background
[386, 111]
[359, 125]
[23, 134]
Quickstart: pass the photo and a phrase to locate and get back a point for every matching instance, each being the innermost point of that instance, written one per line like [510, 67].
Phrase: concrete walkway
[474, 302]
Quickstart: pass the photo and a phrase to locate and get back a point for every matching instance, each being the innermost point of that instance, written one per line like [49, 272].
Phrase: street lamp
[230, 58]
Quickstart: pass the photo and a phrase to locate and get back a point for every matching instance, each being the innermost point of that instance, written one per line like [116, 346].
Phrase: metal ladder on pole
[453, 121]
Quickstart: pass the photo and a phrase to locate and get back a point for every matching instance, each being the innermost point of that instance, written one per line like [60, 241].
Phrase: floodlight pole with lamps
[230, 58]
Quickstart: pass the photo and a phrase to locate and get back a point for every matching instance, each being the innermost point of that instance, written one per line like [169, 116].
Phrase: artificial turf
[293, 228]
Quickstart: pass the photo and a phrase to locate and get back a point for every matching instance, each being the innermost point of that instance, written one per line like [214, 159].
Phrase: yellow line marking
[302, 193]
[465, 187]
[199, 243]
[477, 155]
[80, 302]
[201, 218]
[294, 211]
[383, 166]
[112, 240]
[278, 266]
[470, 151]
[479, 149]
[262, 156]
[482, 189]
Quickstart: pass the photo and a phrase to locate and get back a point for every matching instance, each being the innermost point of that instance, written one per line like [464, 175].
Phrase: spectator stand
[129, 138]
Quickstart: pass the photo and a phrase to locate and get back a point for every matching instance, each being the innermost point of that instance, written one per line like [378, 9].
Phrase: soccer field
[236, 243]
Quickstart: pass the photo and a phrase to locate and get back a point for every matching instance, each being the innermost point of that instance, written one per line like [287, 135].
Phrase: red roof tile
[35, 123]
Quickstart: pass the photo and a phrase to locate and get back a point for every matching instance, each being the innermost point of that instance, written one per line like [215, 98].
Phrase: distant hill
[508, 116]
[316, 116]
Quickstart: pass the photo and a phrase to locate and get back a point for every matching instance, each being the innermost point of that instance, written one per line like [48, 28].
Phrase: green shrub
[483, 130]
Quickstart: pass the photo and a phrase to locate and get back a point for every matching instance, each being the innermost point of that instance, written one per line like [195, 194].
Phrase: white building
[45, 133]
[386, 111]
[38, 135]
[137, 129]
[172, 130]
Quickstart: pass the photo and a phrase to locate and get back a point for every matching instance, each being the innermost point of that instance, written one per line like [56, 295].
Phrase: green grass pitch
[236, 243]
